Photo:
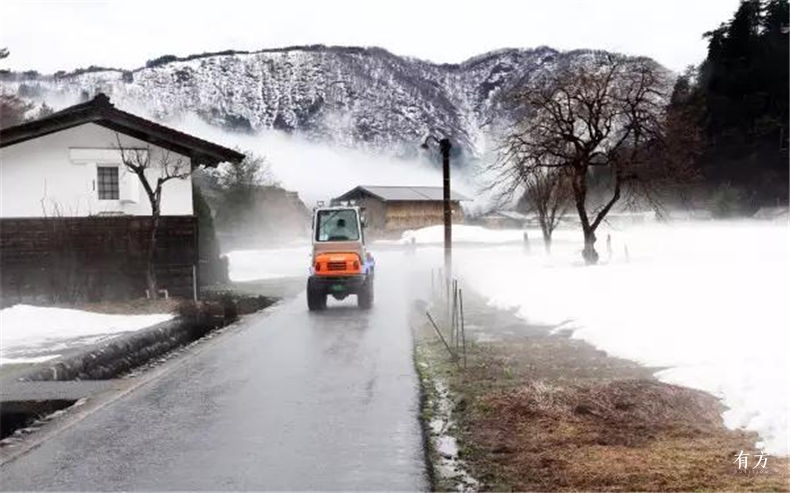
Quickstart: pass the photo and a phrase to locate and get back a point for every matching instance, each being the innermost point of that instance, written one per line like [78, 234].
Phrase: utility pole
[444, 146]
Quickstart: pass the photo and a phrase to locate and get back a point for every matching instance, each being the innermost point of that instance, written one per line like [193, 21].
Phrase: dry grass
[636, 435]
[549, 413]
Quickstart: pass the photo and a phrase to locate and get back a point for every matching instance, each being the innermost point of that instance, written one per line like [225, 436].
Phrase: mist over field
[702, 302]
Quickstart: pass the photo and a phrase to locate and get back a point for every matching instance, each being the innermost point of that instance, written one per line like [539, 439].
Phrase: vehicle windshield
[337, 225]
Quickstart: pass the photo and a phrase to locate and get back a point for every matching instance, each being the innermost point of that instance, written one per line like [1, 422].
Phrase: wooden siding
[401, 216]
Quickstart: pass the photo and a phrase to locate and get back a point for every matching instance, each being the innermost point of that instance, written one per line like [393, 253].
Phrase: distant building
[504, 220]
[390, 209]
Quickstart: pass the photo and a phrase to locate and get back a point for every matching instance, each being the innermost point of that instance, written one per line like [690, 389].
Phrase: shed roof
[100, 111]
[404, 194]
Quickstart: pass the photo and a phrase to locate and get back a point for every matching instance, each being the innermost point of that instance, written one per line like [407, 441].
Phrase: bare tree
[243, 177]
[606, 117]
[548, 193]
[167, 167]
[544, 191]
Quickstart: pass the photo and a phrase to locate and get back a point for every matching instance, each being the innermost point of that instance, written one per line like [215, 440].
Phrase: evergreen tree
[742, 93]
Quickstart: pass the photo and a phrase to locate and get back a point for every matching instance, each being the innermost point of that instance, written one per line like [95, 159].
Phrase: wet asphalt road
[291, 401]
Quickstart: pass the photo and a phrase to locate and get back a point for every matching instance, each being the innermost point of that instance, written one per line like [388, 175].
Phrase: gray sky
[67, 34]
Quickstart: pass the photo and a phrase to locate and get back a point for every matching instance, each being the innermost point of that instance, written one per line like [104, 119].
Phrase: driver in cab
[340, 231]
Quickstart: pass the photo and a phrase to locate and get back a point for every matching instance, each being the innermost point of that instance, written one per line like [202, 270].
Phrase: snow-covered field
[704, 302]
[31, 334]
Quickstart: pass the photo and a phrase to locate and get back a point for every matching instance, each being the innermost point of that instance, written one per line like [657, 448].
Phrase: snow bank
[275, 263]
[706, 301]
[463, 234]
[30, 334]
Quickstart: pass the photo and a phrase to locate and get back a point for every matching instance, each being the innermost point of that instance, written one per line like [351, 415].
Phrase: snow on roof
[411, 194]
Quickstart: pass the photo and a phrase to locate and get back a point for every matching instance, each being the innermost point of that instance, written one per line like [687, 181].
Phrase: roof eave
[200, 152]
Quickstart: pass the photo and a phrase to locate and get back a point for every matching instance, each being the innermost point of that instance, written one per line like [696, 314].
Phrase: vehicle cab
[340, 263]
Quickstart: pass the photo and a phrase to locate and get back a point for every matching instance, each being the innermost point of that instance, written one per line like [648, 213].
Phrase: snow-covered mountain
[357, 97]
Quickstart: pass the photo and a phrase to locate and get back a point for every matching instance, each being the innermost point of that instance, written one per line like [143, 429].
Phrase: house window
[107, 182]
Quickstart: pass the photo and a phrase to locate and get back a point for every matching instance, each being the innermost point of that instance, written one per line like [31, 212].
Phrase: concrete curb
[112, 358]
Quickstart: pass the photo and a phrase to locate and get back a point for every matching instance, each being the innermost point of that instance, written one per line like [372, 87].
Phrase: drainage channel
[24, 403]
[22, 414]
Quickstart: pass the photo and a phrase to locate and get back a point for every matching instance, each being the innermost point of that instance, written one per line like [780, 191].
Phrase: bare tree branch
[168, 167]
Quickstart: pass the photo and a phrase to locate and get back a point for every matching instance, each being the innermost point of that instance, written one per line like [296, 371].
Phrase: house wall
[54, 176]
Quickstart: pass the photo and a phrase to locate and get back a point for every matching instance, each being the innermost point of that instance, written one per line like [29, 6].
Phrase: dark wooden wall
[93, 258]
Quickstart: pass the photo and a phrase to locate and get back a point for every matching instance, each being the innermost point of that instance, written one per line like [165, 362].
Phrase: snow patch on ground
[275, 263]
[450, 466]
[32, 334]
[461, 234]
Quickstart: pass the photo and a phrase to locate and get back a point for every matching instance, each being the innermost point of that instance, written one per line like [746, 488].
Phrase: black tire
[316, 298]
[365, 295]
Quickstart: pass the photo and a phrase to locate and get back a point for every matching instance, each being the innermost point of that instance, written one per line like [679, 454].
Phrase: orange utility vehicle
[341, 265]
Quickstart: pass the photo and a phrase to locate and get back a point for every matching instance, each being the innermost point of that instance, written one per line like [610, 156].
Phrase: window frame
[100, 183]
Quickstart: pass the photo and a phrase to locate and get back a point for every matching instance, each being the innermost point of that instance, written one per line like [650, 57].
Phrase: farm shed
[390, 210]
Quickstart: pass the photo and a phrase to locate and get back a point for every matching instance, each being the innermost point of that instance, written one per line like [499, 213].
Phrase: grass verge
[536, 411]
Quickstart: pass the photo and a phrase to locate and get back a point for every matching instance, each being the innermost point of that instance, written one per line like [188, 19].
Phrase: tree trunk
[546, 238]
[150, 276]
[589, 254]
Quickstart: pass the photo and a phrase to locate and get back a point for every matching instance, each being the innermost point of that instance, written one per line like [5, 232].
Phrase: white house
[69, 164]
[74, 220]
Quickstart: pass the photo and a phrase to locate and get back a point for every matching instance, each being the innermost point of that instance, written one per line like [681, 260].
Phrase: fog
[321, 171]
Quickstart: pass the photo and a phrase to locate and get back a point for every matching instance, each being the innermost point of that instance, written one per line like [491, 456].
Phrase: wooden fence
[93, 258]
